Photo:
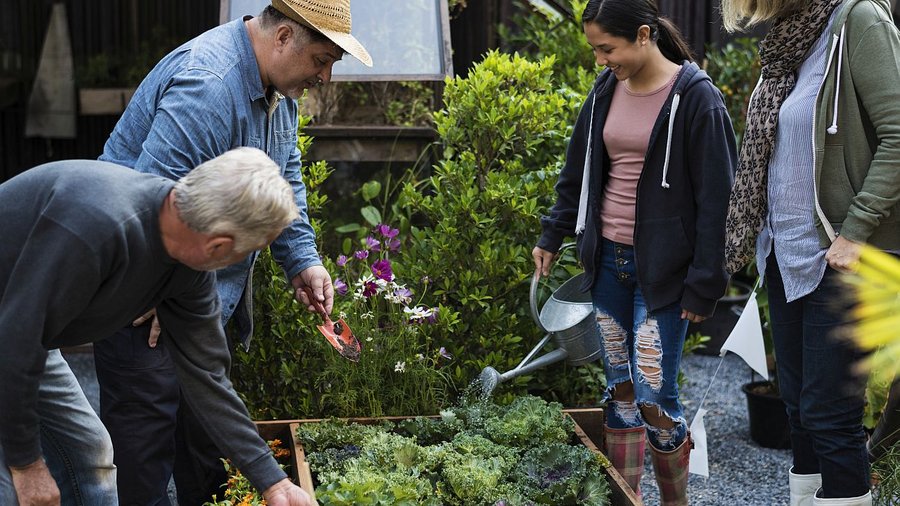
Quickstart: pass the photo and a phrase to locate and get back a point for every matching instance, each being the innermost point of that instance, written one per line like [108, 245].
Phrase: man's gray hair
[241, 194]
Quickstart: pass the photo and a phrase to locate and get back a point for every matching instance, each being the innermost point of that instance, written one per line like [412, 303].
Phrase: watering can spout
[490, 378]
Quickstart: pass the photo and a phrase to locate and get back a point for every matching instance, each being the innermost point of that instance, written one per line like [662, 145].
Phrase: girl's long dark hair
[622, 18]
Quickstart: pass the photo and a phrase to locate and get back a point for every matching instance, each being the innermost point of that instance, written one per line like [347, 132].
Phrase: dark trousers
[153, 432]
[824, 395]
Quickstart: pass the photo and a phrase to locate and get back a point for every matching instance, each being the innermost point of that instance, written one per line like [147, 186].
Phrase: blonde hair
[738, 15]
[241, 194]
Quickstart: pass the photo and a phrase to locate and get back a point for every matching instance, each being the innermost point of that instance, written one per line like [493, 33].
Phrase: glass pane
[404, 37]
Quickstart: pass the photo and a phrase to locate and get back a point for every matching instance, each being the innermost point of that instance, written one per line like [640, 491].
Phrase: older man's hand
[285, 493]
[34, 485]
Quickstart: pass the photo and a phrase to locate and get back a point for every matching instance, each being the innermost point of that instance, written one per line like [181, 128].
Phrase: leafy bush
[735, 70]
[574, 65]
[273, 378]
[504, 131]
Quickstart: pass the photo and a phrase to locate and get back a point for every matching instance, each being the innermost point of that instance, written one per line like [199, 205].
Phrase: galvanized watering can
[567, 317]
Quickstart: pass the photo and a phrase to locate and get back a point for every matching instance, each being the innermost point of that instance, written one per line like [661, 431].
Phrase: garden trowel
[337, 333]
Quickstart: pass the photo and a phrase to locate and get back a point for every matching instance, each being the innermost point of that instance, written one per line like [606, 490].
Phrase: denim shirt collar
[249, 65]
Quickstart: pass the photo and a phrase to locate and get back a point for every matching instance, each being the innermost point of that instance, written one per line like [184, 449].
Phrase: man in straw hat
[234, 85]
[88, 246]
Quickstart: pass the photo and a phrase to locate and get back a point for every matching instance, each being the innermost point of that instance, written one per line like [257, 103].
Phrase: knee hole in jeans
[614, 340]
[649, 354]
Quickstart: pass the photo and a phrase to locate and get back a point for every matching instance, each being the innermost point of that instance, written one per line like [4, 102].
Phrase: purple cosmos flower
[342, 260]
[370, 288]
[361, 254]
[373, 244]
[444, 353]
[393, 244]
[340, 287]
[404, 293]
[382, 269]
[432, 318]
[383, 229]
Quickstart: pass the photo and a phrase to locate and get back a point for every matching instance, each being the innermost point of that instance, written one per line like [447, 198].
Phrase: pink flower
[382, 270]
[393, 244]
[370, 288]
[342, 260]
[444, 353]
[340, 287]
[361, 254]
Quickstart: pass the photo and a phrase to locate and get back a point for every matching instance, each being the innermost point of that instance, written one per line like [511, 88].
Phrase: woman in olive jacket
[819, 174]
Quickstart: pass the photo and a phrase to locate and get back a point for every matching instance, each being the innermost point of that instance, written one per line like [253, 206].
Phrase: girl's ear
[643, 35]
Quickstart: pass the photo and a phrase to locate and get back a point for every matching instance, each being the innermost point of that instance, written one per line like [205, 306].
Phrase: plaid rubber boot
[625, 449]
[671, 469]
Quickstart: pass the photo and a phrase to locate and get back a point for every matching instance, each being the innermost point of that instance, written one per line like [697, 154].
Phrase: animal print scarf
[781, 52]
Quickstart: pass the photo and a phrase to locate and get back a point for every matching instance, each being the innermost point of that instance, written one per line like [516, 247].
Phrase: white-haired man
[87, 247]
[234, 85]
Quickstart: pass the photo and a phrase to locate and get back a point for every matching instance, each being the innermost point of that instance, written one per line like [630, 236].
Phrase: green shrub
[574, 66]
[504, 131]
[735, 70]
[274, 378]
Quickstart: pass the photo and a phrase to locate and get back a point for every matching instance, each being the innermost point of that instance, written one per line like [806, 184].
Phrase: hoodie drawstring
[676, 99]
[586, 175]
[833, 129]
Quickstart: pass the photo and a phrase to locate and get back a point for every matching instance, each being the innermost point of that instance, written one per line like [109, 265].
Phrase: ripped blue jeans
[638, 347]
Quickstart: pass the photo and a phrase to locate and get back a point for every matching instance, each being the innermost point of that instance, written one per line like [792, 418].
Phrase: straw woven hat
[330, 17]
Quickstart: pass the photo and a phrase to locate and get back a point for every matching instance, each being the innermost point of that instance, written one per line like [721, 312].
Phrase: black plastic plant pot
[769, 426]
[723, 320]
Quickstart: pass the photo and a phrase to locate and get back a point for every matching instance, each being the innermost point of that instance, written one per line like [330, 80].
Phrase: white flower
[342, 315]
[400, 367]
[367, 315]
[420, 357]
[418, 313]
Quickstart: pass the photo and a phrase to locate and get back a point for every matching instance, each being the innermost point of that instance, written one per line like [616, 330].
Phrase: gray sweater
[81, 256]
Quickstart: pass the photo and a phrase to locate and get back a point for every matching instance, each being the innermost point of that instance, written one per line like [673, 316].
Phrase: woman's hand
[843, 255]
[543, 259]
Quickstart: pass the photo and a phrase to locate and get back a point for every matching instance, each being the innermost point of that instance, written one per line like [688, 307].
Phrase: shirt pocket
[282, 146]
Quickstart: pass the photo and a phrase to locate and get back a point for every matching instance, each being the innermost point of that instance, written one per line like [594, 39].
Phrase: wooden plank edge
[304, 474]
[621, 493]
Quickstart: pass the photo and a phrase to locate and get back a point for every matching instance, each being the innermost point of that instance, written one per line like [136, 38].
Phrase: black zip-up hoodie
[682, 195]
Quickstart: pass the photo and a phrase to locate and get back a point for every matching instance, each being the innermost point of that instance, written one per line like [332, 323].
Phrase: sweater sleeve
[49, 285]
[561, 220]
[712, 161]
[881, 188]
[200, 352]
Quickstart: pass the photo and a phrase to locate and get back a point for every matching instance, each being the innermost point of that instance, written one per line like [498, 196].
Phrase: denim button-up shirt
[203, 99]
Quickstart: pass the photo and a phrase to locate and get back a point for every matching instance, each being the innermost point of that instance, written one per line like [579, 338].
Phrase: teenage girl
[645, 191]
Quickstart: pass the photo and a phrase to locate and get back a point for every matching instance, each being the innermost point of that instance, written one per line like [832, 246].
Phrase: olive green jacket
[857, 129]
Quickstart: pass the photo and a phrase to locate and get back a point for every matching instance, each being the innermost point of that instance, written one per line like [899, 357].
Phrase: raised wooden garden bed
[588, 429]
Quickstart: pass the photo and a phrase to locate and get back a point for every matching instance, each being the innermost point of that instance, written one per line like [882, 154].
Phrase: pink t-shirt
[626, 135]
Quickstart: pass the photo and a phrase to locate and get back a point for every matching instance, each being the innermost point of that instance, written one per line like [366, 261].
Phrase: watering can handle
[532, 294]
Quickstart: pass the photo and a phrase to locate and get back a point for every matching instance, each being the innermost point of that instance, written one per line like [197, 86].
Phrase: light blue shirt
[790, 224]
[203, 99]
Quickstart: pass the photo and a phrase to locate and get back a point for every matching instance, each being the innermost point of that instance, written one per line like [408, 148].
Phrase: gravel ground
[741, 472]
